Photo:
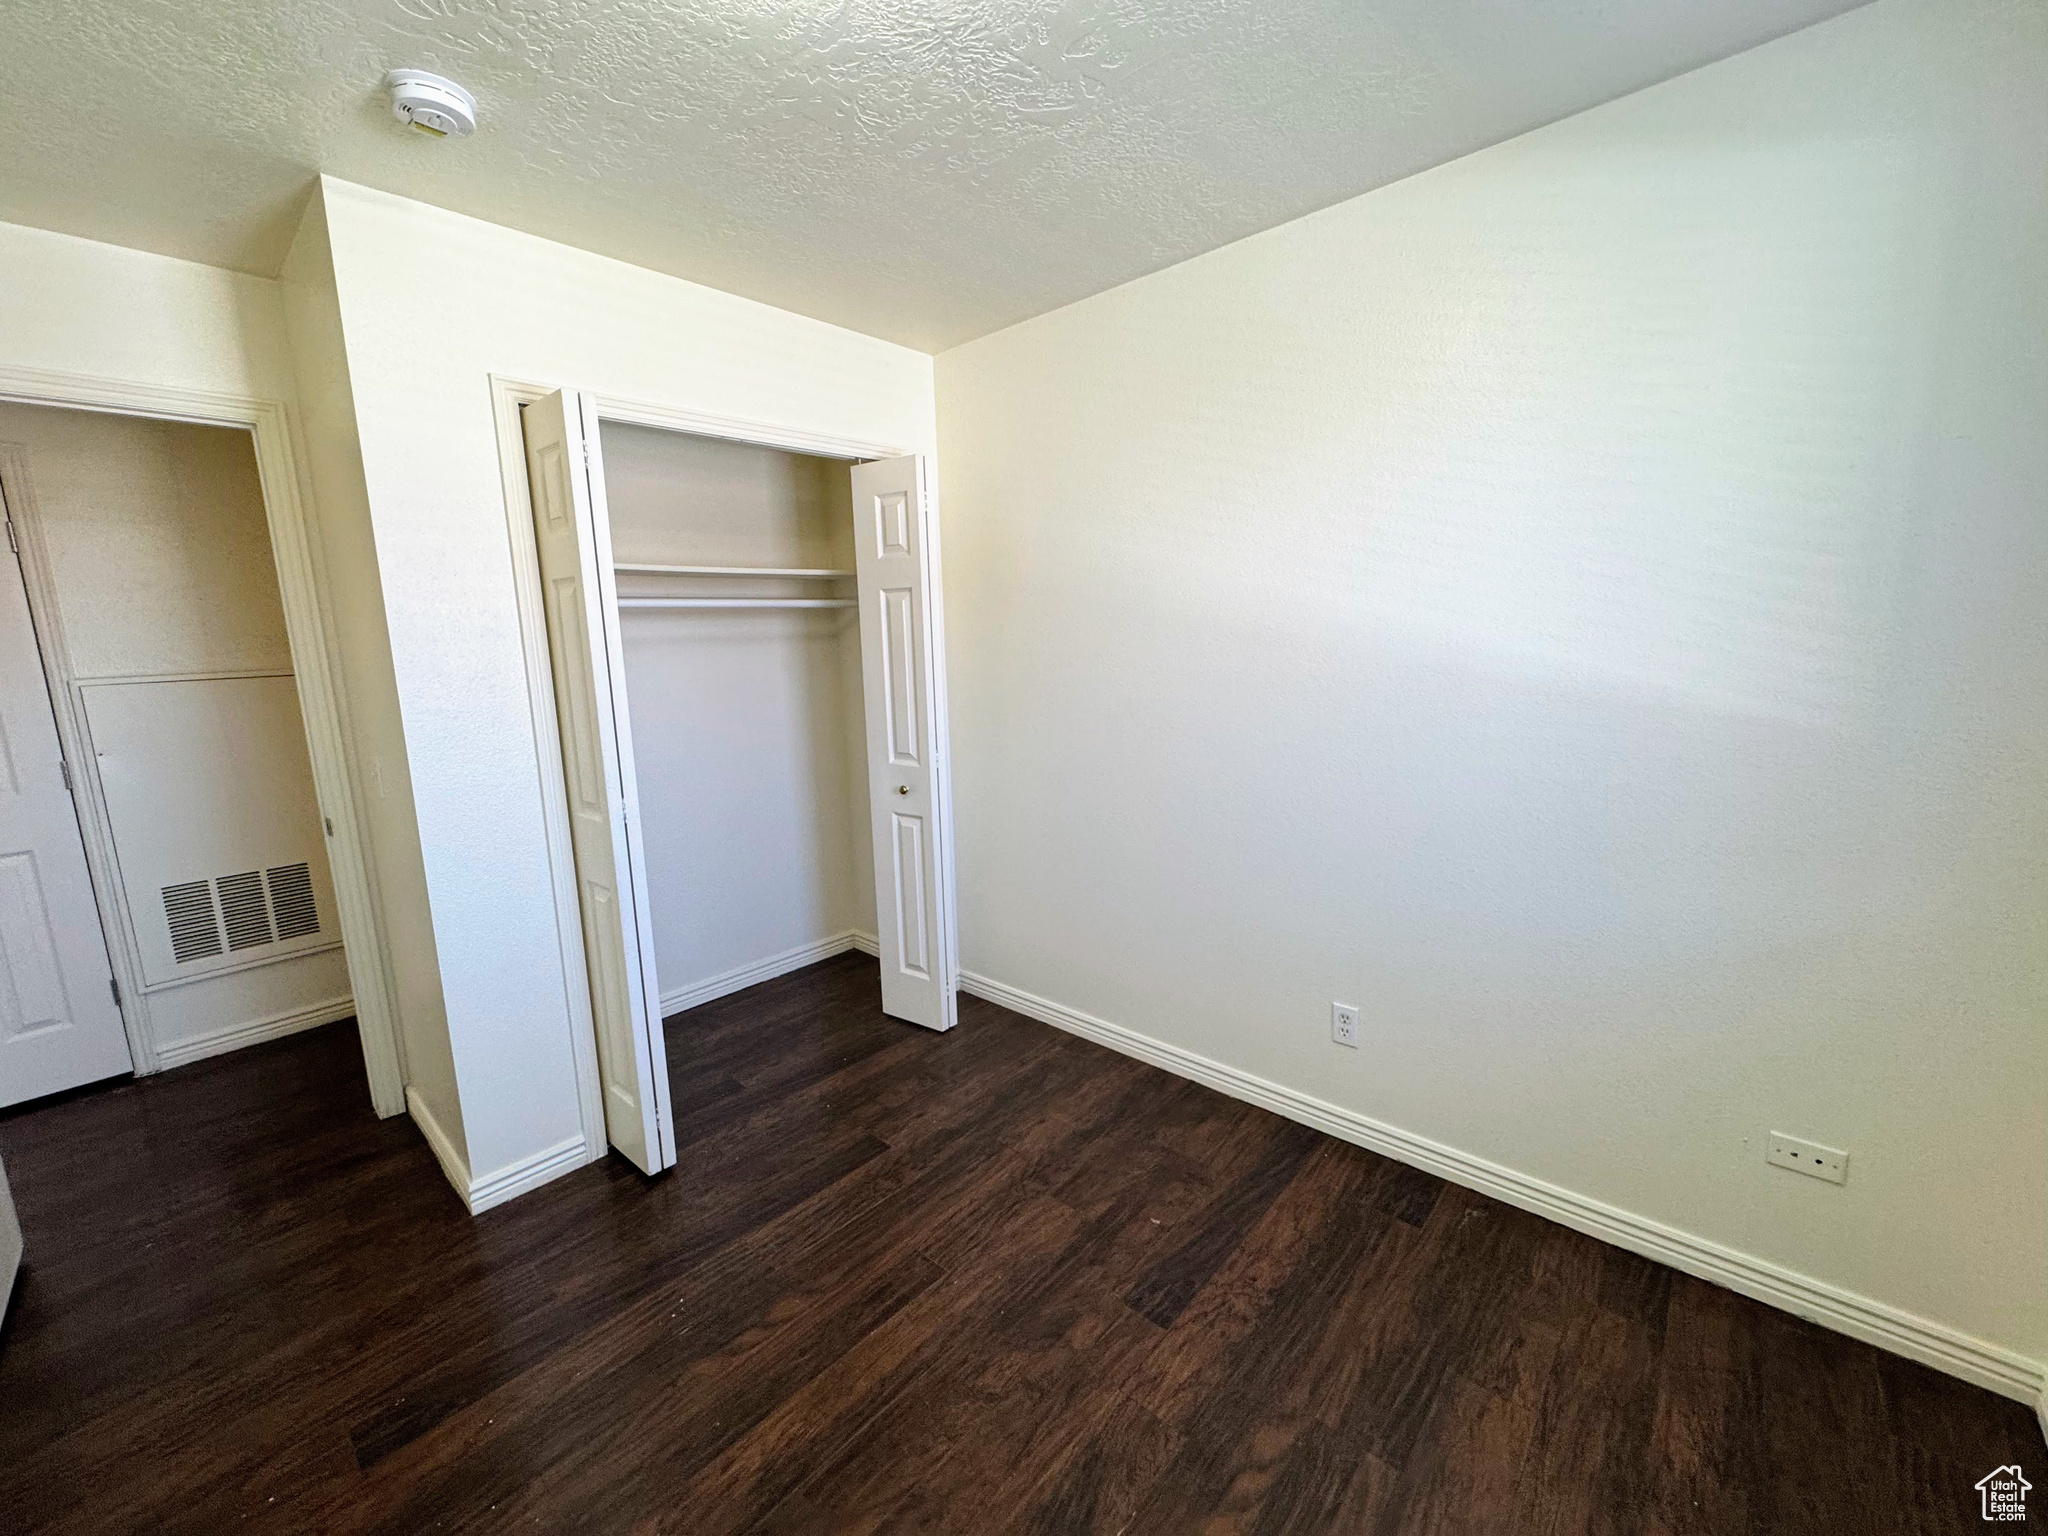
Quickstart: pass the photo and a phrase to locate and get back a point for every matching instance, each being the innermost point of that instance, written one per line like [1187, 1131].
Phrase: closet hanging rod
[737, 602]
[732, 570]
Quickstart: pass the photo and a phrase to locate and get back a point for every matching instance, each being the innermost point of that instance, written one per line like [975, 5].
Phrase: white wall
[160, 556]
[747, 725]
[431, 305]
[79, 307]
[355, 608]
[1584, 605]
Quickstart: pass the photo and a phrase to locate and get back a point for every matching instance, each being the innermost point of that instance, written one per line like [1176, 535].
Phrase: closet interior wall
[747, 720]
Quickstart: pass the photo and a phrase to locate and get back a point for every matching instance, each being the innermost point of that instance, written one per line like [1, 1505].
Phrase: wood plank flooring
[999, 1280]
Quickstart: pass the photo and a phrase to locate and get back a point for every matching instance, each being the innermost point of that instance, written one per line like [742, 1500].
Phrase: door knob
[902, 789]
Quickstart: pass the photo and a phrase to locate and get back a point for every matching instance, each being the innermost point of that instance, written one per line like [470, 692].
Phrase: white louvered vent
[210, 918]
[291, 900]
[242, 909]
[195, 931]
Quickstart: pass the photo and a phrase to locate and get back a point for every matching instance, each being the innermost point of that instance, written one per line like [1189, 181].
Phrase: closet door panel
[59, 1026]
[572, 537]
[903, 672]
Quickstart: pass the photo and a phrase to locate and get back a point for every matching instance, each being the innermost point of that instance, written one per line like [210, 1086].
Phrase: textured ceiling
[925, 170]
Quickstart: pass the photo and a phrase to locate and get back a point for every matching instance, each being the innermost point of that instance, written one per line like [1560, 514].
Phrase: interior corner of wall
[307, 255]
[440, 1122]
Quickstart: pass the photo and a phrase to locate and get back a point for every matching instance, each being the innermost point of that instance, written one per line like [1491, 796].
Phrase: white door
[896, 561]
[58, 1023]
[572, 533]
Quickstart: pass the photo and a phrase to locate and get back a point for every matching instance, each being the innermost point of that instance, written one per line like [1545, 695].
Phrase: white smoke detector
[431, 103]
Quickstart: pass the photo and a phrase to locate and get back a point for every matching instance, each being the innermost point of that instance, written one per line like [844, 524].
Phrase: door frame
[507, 396]
[323, 706]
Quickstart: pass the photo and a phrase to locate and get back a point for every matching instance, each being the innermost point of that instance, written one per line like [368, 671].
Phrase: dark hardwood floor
[1000, 1280]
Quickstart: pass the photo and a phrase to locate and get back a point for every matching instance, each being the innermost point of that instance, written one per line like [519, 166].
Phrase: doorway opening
[166, 891]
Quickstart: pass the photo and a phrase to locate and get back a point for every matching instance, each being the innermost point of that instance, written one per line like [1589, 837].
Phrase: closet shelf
[784, 573]
[736, 602]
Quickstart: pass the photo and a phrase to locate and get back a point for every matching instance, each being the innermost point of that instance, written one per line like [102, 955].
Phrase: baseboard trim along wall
[10, 1244]
[495, 1188]
[452, 1162]
[1903, 1333]
[514, 1179]
[528, 1173]
[178, 1052]
[741, 977]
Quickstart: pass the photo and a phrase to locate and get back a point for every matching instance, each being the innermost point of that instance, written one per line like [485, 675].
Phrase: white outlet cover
[1808, 1157]
[1344, 1024]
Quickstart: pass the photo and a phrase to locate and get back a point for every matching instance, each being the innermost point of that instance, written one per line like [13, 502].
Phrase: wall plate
[1807, 1157]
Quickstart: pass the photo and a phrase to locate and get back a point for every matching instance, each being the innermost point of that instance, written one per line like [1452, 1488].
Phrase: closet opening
[165, 887]
[746, 668]
[742, 661]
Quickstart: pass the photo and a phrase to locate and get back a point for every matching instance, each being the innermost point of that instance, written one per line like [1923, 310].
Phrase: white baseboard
[528, 1173]
[740, 977]
[179, 1052]
[479, 1195]
[866, 943]
[10, 1244]
[516, 1178]
[1874, 1322]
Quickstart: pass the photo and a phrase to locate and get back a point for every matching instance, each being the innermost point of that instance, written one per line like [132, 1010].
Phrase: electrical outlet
[1806, 1157]
[1344, 1024]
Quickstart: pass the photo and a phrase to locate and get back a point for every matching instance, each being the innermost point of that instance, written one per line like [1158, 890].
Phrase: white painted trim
[316, 664]
[217, 674]
[668, 418]
[302, 589]
[276, 1026]
[867, 943]
[1874, 1322]
[515, 1179]
[942, 745]
[452, 1162]
[2041, 1410]
[507, 396]
[740, 977]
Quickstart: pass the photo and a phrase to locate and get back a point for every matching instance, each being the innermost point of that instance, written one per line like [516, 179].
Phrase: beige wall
[747, 725]
[157, 541]
[159, 553]
[78, 307]
[1583, 605]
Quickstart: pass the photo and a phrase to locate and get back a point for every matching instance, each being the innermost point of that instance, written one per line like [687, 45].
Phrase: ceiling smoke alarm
[431, 103]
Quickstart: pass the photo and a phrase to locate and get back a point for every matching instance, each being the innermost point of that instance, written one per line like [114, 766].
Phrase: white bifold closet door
[904, 703]
[572, 535]
[896, 564]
